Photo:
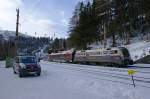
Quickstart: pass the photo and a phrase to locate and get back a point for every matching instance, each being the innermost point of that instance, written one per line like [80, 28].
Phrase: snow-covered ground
[139, 49]
[73, 81]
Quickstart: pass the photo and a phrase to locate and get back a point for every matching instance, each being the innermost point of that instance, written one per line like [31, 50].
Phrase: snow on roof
[63, 52]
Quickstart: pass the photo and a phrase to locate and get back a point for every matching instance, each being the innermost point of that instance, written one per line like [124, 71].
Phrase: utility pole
[17, 28]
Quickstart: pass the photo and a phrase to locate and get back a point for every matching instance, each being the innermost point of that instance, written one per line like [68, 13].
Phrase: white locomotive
[105, 56]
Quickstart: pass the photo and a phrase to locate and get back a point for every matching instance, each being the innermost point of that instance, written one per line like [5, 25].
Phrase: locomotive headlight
[23, 66]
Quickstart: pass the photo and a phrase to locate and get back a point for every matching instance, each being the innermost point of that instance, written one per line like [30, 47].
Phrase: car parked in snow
[25, 65]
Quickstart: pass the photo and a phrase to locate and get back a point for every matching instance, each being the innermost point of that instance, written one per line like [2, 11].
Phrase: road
[73, 81]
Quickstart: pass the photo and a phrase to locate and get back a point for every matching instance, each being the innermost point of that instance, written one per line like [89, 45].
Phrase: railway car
[108, 56]
[64, 56]
[105, 56]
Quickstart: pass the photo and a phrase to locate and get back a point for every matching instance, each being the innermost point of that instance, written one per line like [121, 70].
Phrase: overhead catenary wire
[27, 18]
[32, 11]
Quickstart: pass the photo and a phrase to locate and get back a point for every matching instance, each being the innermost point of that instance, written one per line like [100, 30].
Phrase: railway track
[109, 74]
[106, 74]
[138, 69]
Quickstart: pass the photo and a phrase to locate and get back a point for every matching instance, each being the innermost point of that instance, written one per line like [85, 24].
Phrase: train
[114, 56]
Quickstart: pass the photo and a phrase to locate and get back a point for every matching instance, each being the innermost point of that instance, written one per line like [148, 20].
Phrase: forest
[98, 20]
[25, 45]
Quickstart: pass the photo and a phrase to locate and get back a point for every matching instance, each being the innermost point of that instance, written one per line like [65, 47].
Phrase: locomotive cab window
[114, 52]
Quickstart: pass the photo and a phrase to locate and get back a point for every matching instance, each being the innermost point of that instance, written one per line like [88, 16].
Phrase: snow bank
[2, 64]
[139, 49]
[96, 85]
[103, 89]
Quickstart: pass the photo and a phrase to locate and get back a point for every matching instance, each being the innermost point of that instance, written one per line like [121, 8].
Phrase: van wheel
[15, 72]
[38, 74]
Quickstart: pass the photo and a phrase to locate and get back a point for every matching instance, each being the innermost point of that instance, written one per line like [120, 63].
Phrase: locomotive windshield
[125, 52]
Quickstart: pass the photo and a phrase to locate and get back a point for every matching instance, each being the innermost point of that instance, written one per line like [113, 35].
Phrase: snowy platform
[72, 81]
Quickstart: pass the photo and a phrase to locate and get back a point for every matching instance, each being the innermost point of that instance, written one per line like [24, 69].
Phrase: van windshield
[28, 60]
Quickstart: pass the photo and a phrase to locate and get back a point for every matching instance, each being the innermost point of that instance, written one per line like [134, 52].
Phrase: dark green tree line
[83, 25]
[103, 19]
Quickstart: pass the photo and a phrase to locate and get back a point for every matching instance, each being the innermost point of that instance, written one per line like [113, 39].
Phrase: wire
[34, 8]
[32, 11]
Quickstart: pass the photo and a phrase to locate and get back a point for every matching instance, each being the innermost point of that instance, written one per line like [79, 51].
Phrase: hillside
[5, 34]
[25, 44]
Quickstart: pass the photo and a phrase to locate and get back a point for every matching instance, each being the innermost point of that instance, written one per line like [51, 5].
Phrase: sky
[38, 18]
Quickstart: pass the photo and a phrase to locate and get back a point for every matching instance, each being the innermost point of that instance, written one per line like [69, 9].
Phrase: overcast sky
[45, 17]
